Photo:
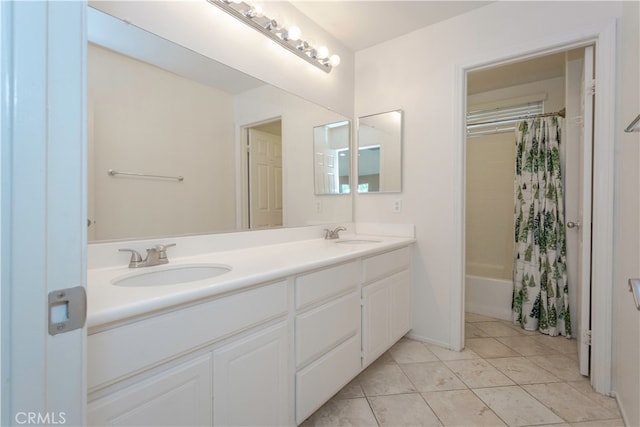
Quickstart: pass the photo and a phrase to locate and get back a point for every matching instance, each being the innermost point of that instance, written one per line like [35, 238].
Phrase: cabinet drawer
[382, 265]
[322, 328]
[323, 284]
[178, 396]
[316, 383]
[121, 351]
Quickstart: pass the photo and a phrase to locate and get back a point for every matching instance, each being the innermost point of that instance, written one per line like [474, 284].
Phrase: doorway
[262, 175]
[497, 96]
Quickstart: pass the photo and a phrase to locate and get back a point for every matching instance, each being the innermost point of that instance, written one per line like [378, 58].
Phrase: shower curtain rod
[560, 113]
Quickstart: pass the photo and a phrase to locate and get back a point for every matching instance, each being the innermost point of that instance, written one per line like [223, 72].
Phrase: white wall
[417, 73]
[299, 117]
[626, 368]
[147, 120]
[208, 30]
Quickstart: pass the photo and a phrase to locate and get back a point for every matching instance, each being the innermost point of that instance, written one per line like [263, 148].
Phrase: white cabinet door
[376, 328]
[387, 313]
[178, 396]
[401, 305]
[252, 380]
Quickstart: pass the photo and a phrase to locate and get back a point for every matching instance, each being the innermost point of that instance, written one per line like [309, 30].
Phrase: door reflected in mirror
[331, 158]
[380, 153]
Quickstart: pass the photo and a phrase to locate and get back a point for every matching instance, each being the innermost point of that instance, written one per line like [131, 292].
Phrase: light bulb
[293, 33]
[323, 52]
[334, 60]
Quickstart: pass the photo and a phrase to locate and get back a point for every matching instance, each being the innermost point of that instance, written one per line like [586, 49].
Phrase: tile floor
[505, 376]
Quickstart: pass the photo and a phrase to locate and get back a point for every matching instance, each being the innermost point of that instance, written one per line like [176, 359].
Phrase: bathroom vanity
[266, 343]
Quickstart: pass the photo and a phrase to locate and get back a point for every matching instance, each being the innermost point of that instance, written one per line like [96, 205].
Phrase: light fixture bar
[270, 28]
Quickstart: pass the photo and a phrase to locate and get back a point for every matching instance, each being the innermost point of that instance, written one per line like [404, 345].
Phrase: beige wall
[489, 205]
[145, 119]
[489, 187]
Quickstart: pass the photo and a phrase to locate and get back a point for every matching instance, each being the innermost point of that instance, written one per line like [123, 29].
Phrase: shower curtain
[540, 293]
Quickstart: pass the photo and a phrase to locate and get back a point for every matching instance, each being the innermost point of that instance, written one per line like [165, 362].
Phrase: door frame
[603, 37]
[43, 207]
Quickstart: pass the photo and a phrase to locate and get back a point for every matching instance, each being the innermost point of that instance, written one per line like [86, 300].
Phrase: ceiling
[365, 23]
[542, 68]
[360, 24]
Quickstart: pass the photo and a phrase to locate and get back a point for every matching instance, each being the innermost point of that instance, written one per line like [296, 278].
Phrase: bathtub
[488, 296]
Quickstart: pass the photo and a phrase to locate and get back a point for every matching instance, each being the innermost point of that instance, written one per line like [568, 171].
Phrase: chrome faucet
[333, 234]
[155, 256]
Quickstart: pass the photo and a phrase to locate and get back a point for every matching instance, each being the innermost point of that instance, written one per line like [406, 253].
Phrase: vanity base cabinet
[252, 380]
[178, 396]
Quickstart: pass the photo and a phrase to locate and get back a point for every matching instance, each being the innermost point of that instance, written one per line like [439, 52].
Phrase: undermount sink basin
[172, 275]
[357, 241]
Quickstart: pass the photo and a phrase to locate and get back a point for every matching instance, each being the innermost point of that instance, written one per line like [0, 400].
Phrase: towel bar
[634, 126]
[114, 172]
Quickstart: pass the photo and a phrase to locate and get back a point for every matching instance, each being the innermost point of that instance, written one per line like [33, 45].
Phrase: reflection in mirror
[380, 153]
[160, 109]
[331, 158]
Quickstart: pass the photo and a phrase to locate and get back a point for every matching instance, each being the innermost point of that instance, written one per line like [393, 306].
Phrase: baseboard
[625, 419]
[426, 340]
[497, 312]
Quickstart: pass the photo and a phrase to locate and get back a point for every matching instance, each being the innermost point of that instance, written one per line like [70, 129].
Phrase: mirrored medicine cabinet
[380, 153]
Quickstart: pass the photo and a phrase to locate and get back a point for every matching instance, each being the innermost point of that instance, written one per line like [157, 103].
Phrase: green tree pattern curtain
[540, 292]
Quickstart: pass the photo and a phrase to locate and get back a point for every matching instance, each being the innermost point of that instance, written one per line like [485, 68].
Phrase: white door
[43, 112]
[252, 385]
[583, 223]
[265, 179]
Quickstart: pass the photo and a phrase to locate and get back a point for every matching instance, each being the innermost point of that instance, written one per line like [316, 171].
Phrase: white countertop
[108, 303]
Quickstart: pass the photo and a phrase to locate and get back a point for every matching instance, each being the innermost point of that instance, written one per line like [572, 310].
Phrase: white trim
[603, 35]
[5, 64]
[602, 232]
[44, 180]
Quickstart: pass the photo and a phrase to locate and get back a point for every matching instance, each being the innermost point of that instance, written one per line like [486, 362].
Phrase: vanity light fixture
[289, 38]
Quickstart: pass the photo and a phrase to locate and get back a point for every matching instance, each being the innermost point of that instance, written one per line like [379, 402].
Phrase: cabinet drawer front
[117, 352]
[382, 265]
[178, 396]
[322, 328]
[323, 284]
[316, 383]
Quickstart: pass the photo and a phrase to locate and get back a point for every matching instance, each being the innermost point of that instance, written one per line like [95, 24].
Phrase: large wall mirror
[180, 144]
[331, 158]
[380, 153]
